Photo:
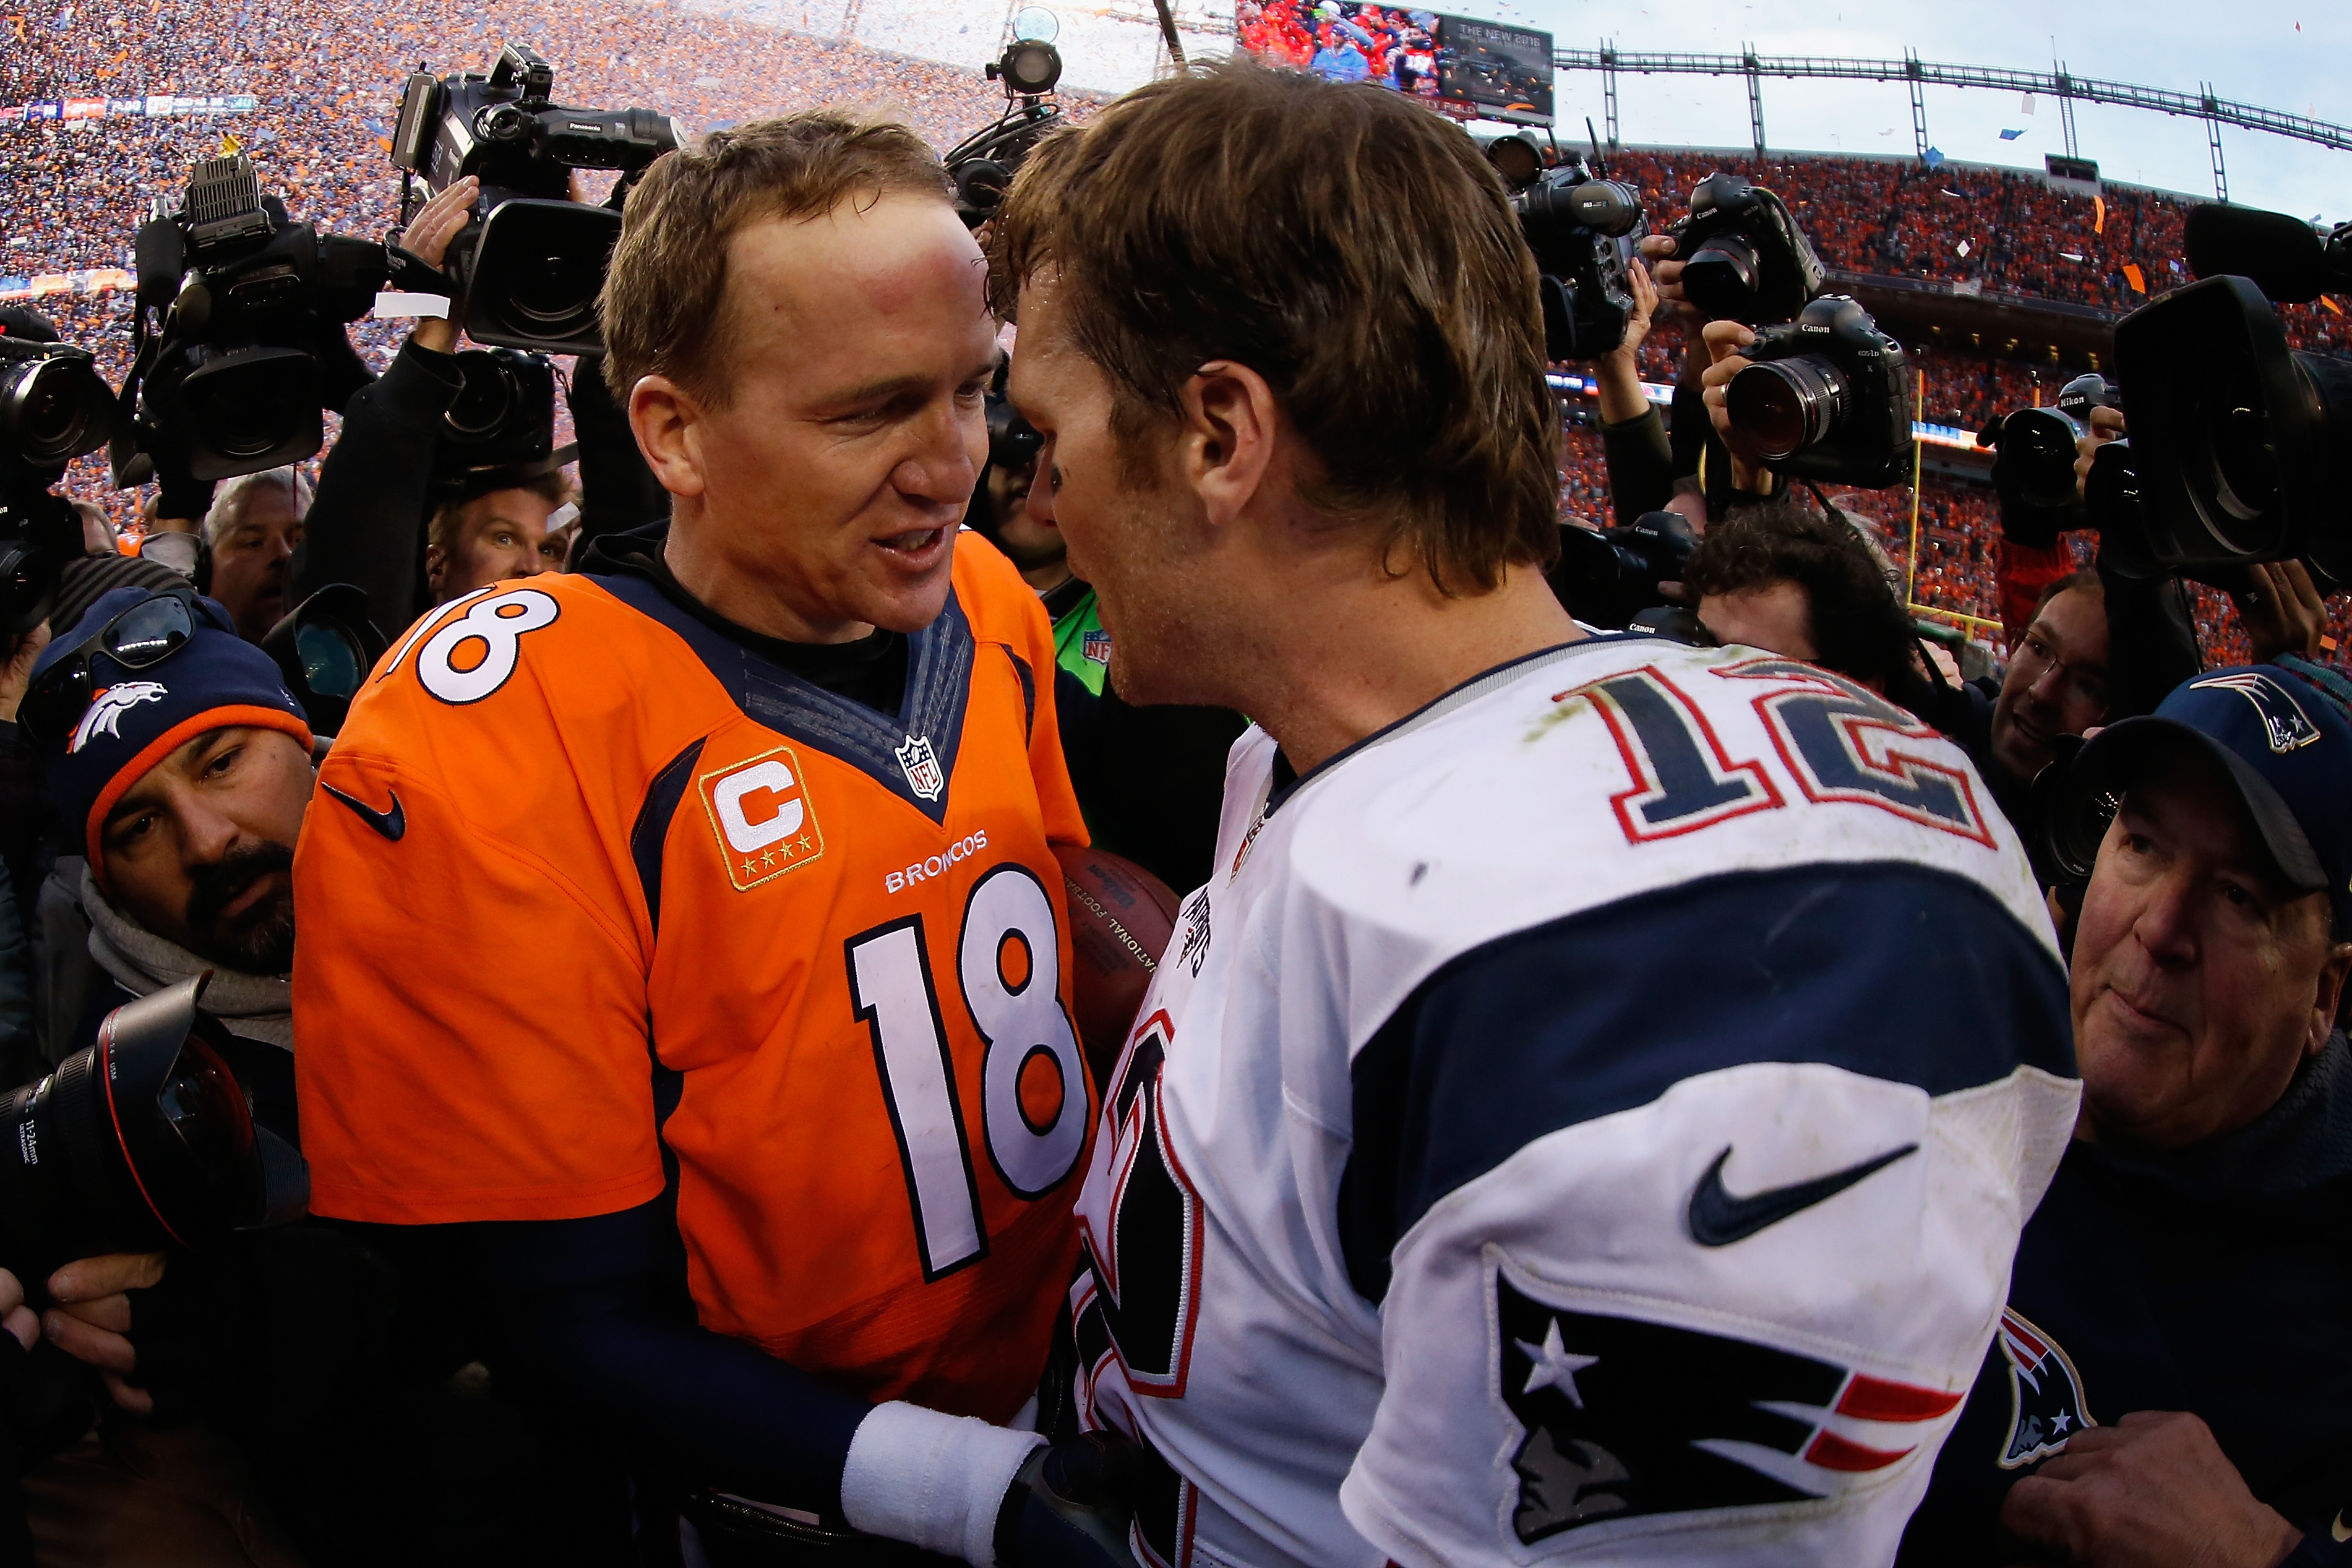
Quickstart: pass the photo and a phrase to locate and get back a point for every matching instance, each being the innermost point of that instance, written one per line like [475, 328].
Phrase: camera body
[1584, 233]
[1607, 577]
[2034, 449]
[1744, 257]
[54, 408]
[504, 417]
[531, 262]
[237, 304]
[1827, 396]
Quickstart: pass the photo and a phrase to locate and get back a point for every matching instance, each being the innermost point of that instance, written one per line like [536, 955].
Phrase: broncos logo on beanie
[104, 715]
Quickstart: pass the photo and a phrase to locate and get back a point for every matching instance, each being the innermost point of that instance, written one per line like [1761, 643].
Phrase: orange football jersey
[589, 887]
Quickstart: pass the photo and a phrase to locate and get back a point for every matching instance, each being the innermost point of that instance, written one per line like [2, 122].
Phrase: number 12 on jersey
[1033, 1108]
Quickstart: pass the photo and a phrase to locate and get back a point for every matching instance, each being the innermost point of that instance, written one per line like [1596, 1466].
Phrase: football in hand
[1120, 919]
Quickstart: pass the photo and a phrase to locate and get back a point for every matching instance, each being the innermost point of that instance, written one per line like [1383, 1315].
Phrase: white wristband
[932, 1481]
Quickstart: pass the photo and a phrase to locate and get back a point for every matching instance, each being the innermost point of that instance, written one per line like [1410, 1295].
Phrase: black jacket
[2215, 1279]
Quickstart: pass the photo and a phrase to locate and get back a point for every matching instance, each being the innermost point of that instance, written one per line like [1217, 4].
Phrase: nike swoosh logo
[391, 824]
[1718, 1219]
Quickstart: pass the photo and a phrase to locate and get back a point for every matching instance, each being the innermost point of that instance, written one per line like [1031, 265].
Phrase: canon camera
[1744, 257]
[1827, 397]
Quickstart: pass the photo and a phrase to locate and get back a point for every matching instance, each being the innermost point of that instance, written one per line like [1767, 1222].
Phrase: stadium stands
[327, 78]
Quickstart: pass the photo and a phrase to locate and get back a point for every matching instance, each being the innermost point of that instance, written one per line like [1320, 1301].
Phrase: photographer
[287, 1383]
[2172, 1382]
[475, 540]
[1633, 437]
[377, 523]
[1792, 581]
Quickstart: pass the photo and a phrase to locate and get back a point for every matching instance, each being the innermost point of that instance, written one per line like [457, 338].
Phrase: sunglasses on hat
[140, 637]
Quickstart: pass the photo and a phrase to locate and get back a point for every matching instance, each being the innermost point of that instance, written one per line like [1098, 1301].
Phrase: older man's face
[2200, 981]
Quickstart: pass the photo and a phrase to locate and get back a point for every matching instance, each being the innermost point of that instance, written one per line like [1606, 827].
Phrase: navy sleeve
[1890, 970]
[597, 1312]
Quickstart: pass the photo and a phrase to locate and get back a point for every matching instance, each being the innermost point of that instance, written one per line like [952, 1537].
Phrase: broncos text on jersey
[1588, 1121]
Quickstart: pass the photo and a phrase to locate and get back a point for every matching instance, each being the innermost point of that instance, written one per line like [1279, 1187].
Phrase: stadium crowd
[821, 1032]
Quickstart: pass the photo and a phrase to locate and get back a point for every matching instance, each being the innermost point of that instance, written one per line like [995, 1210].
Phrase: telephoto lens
[142, 1142]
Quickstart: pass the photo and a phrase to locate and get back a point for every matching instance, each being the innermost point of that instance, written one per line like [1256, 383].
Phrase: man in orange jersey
[769, 1161]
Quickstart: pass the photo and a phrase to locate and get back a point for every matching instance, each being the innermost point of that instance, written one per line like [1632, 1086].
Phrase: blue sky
[2250, 51]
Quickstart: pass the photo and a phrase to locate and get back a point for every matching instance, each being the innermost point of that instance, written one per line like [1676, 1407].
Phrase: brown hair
[667, 288]
[440, 531]
[1352, 247]
[2085, 578]
[1856, 623]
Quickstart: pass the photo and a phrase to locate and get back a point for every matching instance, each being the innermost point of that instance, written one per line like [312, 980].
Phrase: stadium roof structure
[2058, 83]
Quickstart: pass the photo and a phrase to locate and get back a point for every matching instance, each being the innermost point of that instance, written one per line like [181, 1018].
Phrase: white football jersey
[1590, 1120]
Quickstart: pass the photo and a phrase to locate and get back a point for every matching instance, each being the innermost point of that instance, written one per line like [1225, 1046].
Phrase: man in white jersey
[1589, 1113]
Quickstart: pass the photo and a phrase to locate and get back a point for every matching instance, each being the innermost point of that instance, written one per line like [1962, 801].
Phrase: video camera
[1827, 396]
[1584, 233]
[54, 408]
[983, 164]
[531, 262]
[144, 1140]
[1744, 257]
[240, 333]
[2238, 441]
[1608, 578]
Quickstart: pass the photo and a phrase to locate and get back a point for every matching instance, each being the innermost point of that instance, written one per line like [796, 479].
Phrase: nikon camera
[532, 261]
[1827, 396]
[1583, 232]
[1744, 257]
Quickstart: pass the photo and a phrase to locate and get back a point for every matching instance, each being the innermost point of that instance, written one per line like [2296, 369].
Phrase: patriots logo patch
[1626, 1418]
[2046, 1406]
[2284, 723]
[104, 715]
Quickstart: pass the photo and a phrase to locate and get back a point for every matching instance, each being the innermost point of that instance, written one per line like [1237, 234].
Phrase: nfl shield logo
[1095, 646]
[922, 766]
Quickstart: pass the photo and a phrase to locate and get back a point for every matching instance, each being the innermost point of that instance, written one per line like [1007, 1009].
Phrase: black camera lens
[1606, 206]
[1031, 67]
[1787, 405]
[1721, 276]
[2037, 451]
[144, 1140]
[487, 396]
[52, 409]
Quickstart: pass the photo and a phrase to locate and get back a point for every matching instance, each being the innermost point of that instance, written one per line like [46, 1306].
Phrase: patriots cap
[2286, 748]
[138, 717]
